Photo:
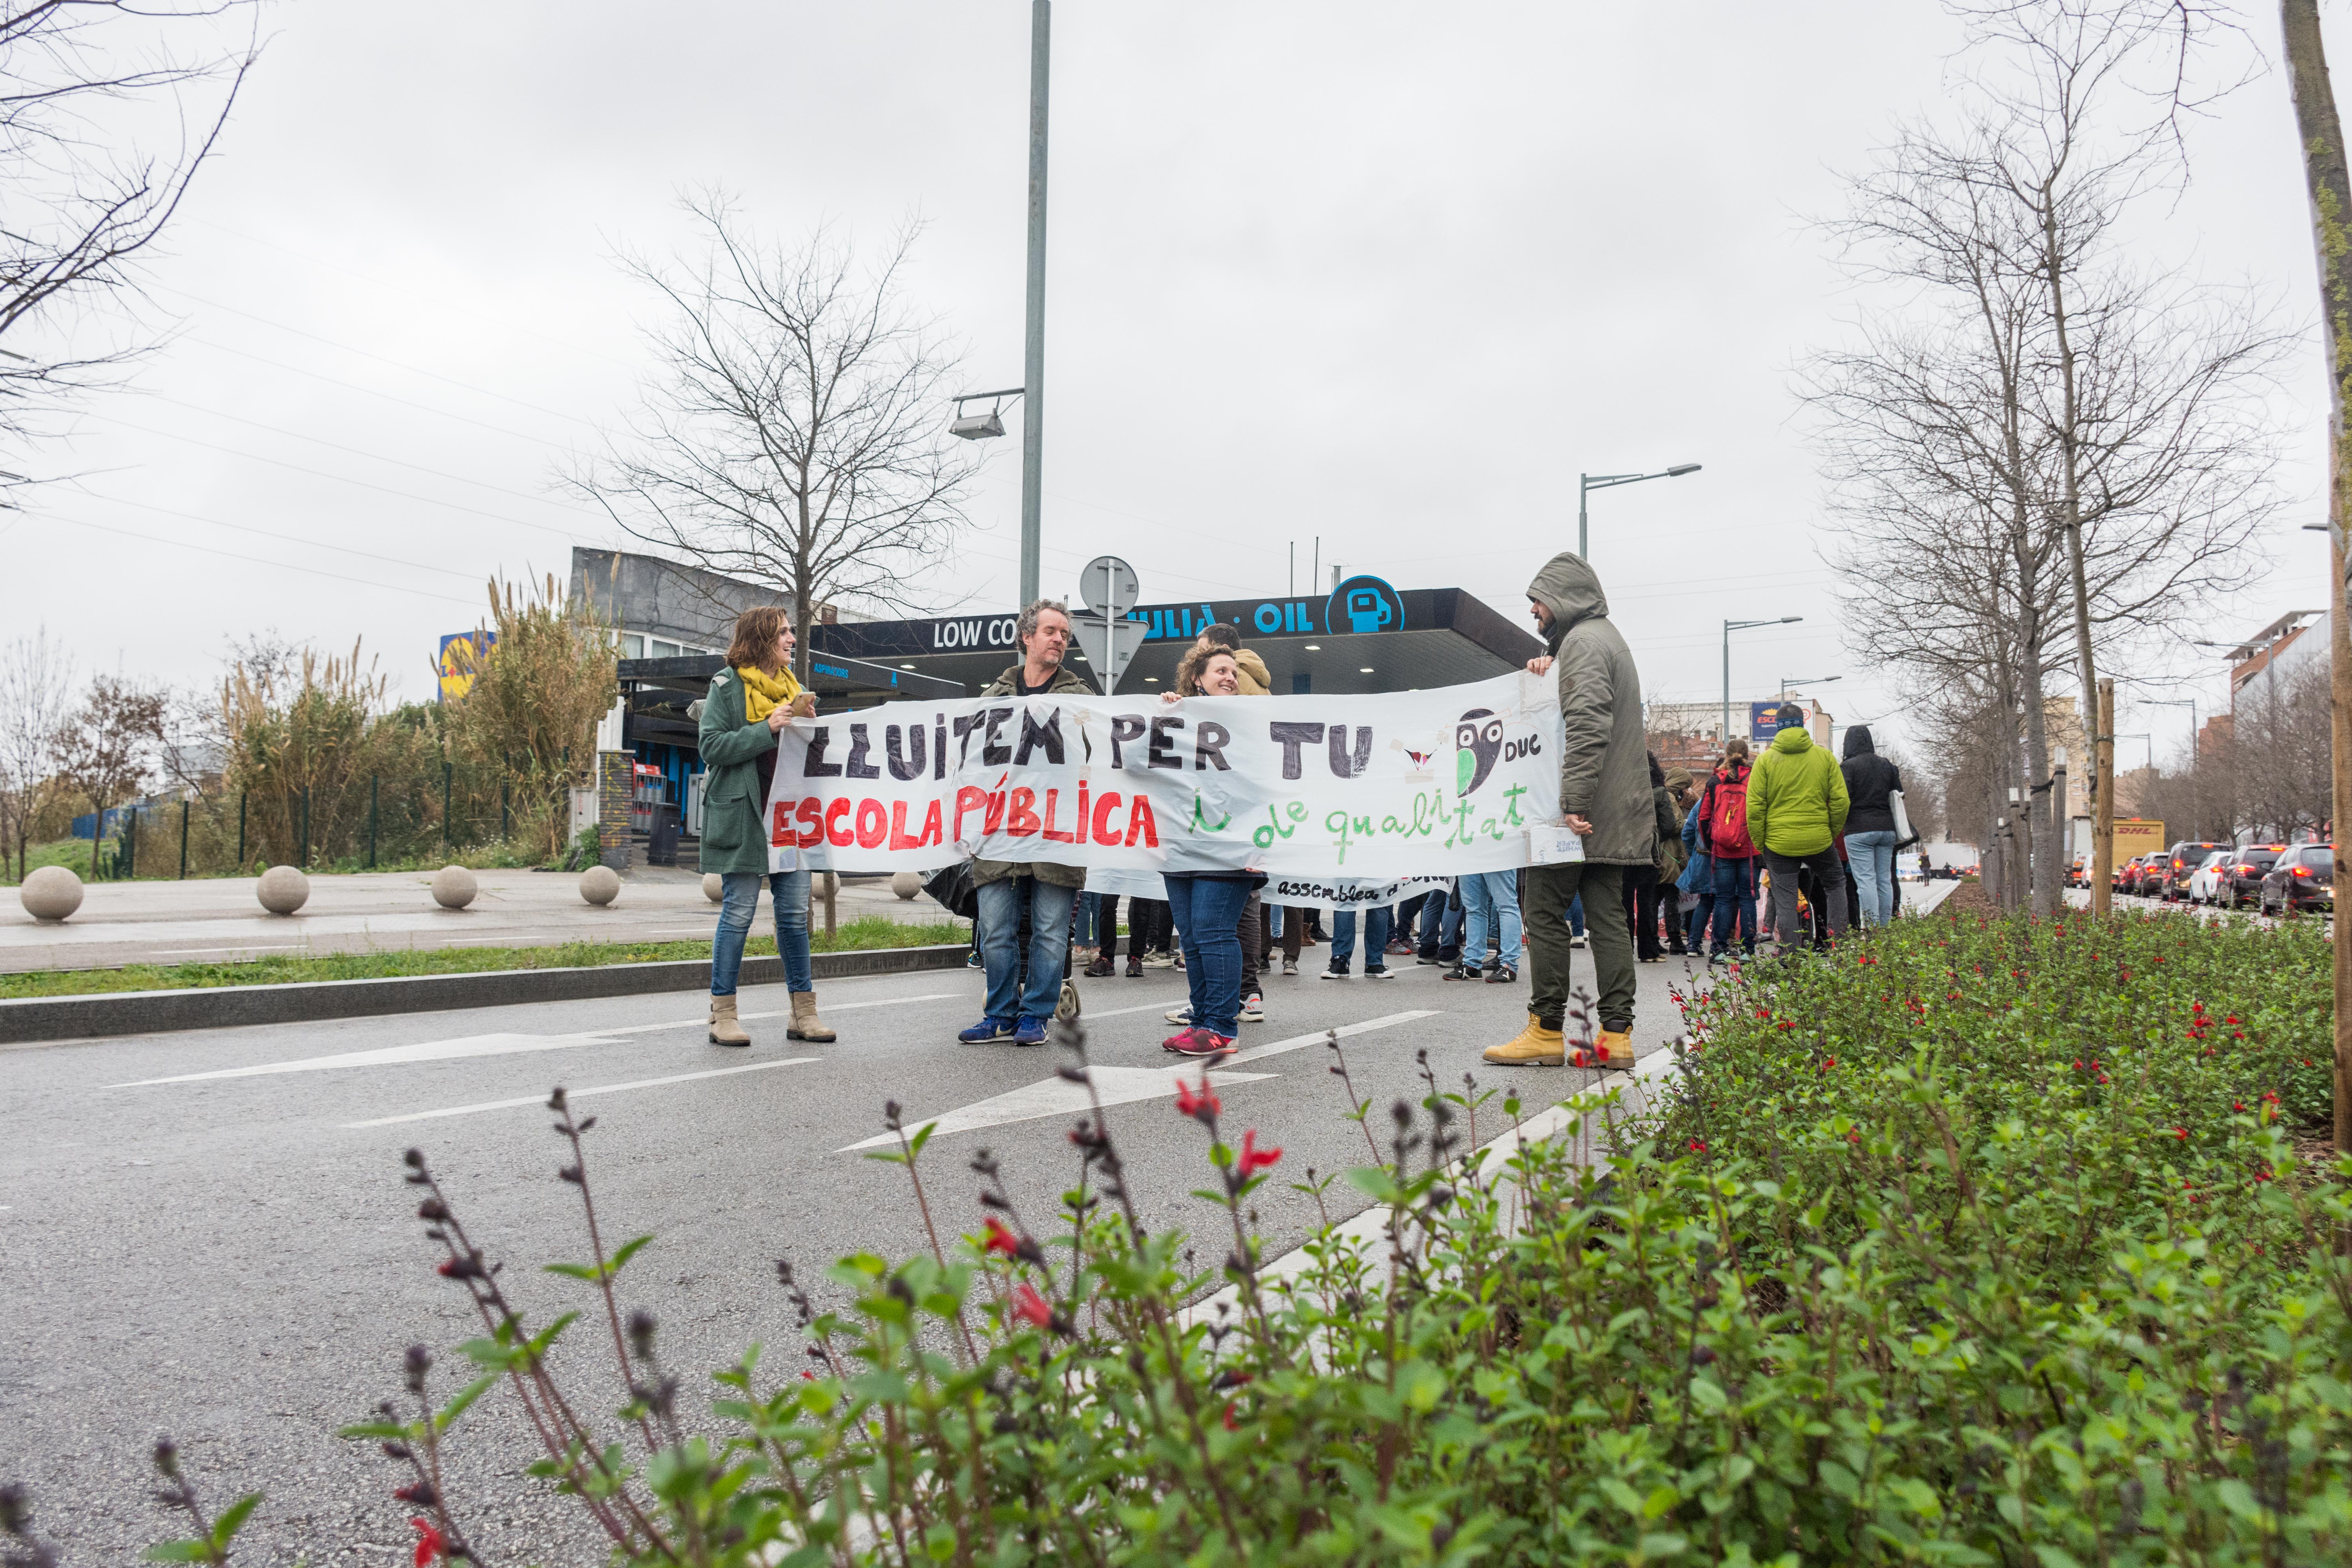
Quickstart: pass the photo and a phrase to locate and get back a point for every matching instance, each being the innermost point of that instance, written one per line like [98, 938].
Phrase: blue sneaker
[987, 1029]
[1032, 1032]
[973, 960]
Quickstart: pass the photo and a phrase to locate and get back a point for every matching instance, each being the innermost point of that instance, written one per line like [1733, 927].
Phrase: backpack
[1726, 822]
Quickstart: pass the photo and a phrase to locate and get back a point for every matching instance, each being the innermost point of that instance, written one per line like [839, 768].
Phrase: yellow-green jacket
[1796, 796]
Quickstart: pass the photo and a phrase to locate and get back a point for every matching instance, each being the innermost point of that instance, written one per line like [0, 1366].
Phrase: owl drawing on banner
[1477, 743]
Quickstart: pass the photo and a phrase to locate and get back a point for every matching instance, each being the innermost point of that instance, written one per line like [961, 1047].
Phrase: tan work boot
[805, 1023]
[724, 1029]
[1613, 1051]
[1534, 1046]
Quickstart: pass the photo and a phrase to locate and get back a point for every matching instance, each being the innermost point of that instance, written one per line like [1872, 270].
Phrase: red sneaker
[1200, 1042]
[1181, 1041]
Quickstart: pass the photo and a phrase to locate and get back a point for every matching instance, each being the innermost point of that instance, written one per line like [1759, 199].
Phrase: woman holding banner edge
[1208, 906]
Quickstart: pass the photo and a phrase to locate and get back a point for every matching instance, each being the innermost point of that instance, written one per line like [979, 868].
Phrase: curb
[33, 1019]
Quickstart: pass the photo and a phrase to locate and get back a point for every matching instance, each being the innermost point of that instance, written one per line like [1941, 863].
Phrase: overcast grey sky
[1387, 274]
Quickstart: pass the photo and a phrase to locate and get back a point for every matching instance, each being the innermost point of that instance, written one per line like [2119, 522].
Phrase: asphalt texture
[235, 1259]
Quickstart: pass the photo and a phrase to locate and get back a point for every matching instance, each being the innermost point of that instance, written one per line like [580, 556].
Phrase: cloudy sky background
[1385, 275]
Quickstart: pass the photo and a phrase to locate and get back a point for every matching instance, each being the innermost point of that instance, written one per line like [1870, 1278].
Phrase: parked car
[2176, 865]
[2302, 879]
[2240, 875]
[2128, 879]
[2205, 882]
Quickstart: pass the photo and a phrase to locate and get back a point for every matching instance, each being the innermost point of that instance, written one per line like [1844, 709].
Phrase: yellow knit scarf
[763, 692]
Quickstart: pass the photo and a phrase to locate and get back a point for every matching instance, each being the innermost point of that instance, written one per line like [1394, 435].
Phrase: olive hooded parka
[1604, 764]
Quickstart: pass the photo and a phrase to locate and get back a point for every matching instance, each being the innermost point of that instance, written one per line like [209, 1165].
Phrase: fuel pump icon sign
[1364, 605]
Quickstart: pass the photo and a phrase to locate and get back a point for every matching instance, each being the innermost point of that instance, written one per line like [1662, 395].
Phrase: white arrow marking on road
[540, 1100]
[497, 1045]
[1114, 1085]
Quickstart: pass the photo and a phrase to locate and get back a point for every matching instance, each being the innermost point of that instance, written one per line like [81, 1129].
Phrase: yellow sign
[2137, 835]
[461, 656]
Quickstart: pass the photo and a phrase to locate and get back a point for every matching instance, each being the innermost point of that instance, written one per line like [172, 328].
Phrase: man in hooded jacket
[1604, 795]
[1797, 807]
[1871, 782]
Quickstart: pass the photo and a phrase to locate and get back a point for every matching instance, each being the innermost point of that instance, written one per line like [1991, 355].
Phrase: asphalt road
[206, 1234]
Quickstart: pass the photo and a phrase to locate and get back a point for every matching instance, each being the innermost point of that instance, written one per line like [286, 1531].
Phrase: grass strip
[865, 935]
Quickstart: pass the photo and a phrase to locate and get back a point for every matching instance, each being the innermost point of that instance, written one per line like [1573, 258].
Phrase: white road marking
[1139, 1007]
[248, 947]
[496, 1044]
[1114, 1085]
[578, 1093]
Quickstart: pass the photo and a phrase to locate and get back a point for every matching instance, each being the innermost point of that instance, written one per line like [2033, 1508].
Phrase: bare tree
[36, 692]
[108, 109]
[106, 747]
[795, 434]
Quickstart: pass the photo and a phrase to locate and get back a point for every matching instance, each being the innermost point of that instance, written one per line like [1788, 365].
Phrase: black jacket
[1869, 778]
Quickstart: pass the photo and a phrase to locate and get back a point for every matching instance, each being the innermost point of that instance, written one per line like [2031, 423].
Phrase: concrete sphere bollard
[283, 890]
[600, 885]
[50, 893]
[714, 887]
[907, 884]
[453, 887]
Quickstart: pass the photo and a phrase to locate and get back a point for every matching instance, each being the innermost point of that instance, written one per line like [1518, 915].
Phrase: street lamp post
[1730, 627]
[1789, 681]
[1032, 374]
[1587, 483]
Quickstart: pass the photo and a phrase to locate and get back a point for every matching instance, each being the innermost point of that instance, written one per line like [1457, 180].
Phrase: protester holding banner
[749, 705]
[1604, 797]
[1198, 675]
[1041, 890]
[1208, 906]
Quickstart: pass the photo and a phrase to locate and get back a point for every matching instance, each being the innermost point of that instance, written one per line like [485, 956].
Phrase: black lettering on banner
[815, 766]
[904, 767]
[1292, 737]
[939, 747]
[861, 766]
[993, 751]
[1163, 729]
[1033, 735]
[1342, 767]
[1124, 727]
[1209, 747]
[965, 724]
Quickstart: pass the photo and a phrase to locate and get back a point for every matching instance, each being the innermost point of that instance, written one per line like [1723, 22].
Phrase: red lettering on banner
[1022, 822]
[812, 820]
[1060, 837]
[837, 831]
[995, 818]
[779, 832]
[1105, 804]
[968, 799]
[899, 839]
[1140, 822]
[1080, 826]
[931, 827]
[873, 823]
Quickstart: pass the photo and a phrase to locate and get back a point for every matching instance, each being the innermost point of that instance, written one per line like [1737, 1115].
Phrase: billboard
[2136, 836]
[461, 655]
[1762, 726]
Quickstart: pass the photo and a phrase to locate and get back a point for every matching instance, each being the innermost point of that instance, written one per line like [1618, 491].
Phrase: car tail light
[2303, 870]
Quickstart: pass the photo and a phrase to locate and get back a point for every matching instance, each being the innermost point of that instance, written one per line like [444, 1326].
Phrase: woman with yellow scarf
[750, 703]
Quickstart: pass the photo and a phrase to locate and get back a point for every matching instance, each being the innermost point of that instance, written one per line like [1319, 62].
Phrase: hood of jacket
[1734, 770]
[1257, 681]
[1857, 742]
[1065, 679]
[1569, 592]
[1793, 740]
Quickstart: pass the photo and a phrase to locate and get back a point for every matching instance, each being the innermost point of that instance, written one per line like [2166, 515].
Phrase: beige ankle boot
[805, 1023]
[724, 1029]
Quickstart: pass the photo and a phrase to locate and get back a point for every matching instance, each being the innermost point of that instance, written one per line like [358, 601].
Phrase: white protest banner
[1343, 794]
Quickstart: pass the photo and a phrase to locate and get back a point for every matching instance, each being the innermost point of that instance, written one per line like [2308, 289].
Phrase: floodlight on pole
[1587, 483]
[1730, 627]
[981, 426]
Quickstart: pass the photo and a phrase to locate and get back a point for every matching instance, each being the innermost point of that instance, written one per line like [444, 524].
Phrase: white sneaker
[1253, 1009]
[1576, 940]
[1178, 1014]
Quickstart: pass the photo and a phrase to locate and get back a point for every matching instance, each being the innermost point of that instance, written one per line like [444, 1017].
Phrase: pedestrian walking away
[748, 704]
[1042, 890]
[1723, 833]
[1870, 831]
[1209, 906]
[1643, 883]
[1796, 808]
[1605, 800]
[1695, 885]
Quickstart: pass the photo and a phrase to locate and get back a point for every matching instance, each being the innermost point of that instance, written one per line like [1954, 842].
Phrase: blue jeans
[1049, 906]
[1576, 914]
[1871, 855]
[737, 904]
[1441, 926]
[1089, 918]
[1735, 893]
[1490, 895]
[1376, 940]
[1207, 915]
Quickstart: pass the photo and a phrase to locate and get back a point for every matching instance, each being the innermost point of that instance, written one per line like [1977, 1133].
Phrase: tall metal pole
[1032, 374]
[1726, 683]
[1581, 553]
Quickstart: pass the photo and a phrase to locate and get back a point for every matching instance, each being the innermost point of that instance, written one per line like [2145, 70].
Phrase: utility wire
[372, 392]
[286, 538]
[257, 560]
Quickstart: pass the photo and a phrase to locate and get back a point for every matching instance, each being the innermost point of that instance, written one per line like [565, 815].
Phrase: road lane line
[1300, 1042]
[1140, 1007]
[830, 1007]
[577, 1093]
[247, 947]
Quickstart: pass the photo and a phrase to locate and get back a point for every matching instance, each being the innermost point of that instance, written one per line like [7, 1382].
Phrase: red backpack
[1726, 820]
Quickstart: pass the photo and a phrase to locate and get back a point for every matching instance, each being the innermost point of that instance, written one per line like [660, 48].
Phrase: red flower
[2181, 1133]
[1698, 1145]
[1828, 1063]
[1191, 1104]
[1031, 1307]
[2230, 1019]
[1001, 1239]
[1231, 1425]
[1253, 1158]
[2237, 1105]
[1853, 1137]
[429, 1548]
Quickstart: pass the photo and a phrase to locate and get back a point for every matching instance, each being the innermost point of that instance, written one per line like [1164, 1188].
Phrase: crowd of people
[1673, 862]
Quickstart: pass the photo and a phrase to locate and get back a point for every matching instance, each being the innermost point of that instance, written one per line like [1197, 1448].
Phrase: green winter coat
[732, 748]
[1604, 764]
[1796, 796]
[986, 871]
